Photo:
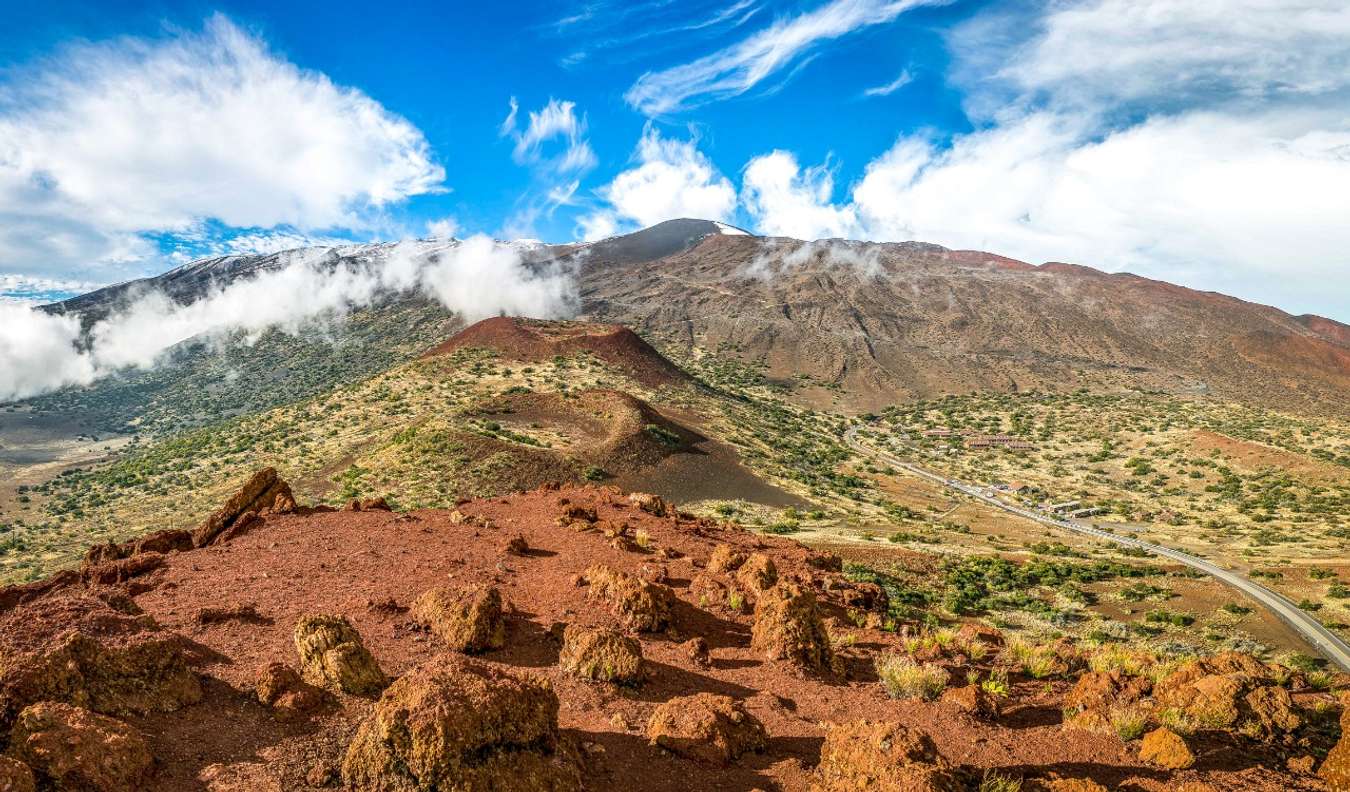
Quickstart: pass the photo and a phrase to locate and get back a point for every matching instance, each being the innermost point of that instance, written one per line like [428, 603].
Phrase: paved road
[1325, 641]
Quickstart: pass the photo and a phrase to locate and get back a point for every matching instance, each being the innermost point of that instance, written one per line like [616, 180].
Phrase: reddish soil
[537, 340]
[370, 566]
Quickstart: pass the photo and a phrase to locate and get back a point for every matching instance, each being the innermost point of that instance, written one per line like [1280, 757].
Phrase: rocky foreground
[582, 638]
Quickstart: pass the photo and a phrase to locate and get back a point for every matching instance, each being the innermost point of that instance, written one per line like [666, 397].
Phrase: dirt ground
[369, 566]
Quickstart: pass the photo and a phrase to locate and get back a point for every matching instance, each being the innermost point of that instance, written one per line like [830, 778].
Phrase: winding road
[1325, 641]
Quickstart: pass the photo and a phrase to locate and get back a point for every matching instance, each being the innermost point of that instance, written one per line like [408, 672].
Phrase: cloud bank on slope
[475, 278]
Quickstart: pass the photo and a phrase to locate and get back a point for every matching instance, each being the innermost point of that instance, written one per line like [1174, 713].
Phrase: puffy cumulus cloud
[738, 68]
[475, 278]
[104, 141]
[1202, 143]
[671, 179]
[787, 200]
[444, 228]
[1218, 200]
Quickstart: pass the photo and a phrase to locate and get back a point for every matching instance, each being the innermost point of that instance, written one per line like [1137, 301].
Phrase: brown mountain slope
[890, 322]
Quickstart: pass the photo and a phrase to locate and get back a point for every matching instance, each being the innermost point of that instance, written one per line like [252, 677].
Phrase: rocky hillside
[849, 325]
[888, 323]
[583, 638]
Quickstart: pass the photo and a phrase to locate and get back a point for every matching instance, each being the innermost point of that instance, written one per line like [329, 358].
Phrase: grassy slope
[419, 431]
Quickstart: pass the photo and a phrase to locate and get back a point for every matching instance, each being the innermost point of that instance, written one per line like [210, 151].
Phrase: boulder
[639, 605]
[120, 570]
[333, 656]
[263, 492]
[788, 628]
[169, 540]
[468, 619]
[15, 776]
[865, 597]
[1165, 748]
[652, 504]
[1335, 769]
[72, 748]
[724, 559]
[1273, 709]
[868, 755]
[600, 653]
[1213, 700]
[696, 651]
[1105, 689]
[456, 724]
[972, 700]
[1229, 690]
[73, 647]
[280, 687]
[757, 574]
[706, 727]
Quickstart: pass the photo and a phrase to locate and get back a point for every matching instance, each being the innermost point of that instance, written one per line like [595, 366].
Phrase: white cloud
[444, 228]
[36, 290]
[557, 119]
[475, 278]
[1163, 51]
[1201, 143]
[106, 141]
[785, 200]
[671, 179]
[740, 67]
[901, 80]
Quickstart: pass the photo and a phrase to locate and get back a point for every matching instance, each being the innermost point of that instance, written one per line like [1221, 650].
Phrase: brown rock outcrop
[600, 653]
[1335, 769]
[652, 504]
[456, 724]
[468, 619]
[788, 627]
[333, 656]
[1105, 689]
[15, 776]
[73, 647]
[972, 700]
[706, 727]
[280, 687]
[639, 605]
[264, 492]
[71, 748]
[867, 755]
[757, 574]
[1165, 748]
[724, 559]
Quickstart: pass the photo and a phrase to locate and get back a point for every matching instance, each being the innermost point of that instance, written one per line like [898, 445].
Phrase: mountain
[862, 325]
[890, 323]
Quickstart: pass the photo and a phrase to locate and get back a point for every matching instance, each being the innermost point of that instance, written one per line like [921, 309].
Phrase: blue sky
[1193, 143]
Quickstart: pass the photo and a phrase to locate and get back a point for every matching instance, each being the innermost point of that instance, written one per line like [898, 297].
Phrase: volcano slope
[503, 405]
[303, 650]
[865, 325]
